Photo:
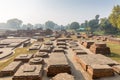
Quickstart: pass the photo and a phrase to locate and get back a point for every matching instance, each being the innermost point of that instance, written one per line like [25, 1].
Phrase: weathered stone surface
[116, 68]
[35, 46]
[29, 72]
[24, 57]
[58, 50]
[63, 76]
[61, 43]
[62, 46]
[63, 39]
[87, 44]
[10, 69]
[49, 43]
[41, 54]
[80, 52]
[100, 44]
[76, 48]
[100, 48]
[90, 59]
[98, 71]
[35, 61]
[73, 44]
[41, 39]
[26, 43]
[45, 48]
[5, 52]
[58, 64]
[114, 40]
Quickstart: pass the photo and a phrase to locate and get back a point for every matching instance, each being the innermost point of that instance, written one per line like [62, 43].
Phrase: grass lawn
[18, 51]
[115, 51]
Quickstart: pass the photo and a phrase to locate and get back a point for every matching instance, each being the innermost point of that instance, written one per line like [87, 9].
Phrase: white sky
[59, 11]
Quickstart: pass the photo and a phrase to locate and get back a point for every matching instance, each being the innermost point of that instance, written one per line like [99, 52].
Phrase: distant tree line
[110, 25]
[16, 24]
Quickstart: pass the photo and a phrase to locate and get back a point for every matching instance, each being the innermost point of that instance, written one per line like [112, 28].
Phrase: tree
[14, 23]
[107, 27]
[97, 17]
[50, 25]
[38, 26]
[24, 27]
[94, 23]
[74, 25]
[114, 17]
[29, 26]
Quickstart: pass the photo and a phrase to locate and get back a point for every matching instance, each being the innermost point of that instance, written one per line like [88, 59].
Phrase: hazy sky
[59, 11]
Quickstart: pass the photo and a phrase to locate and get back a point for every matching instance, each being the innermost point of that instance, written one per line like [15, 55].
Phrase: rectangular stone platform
[114, 40]
[29, 72]
[90, 59]
[35, 46]
[24, 57]
[87, 44]
[58, 64]
[61, 43]
[10, 69]
[79, 52]
[76, 48]
[62, 46]
[63, 76]
[100, 48]
[63, 39]
[49, 43]
[45, 49]
[5, 52]
[58, 50]
[98, 71]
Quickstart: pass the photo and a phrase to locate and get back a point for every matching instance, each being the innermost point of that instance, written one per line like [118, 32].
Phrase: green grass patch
[99, 32]
[115, 51]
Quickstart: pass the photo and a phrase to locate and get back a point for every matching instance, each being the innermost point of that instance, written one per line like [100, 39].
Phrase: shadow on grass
[114, 55]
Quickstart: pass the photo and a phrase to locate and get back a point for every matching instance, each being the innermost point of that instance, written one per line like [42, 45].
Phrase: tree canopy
[107, 27]
[49, 24]
[74, 25]
[14, 23]
[114, 17]
[94, 23]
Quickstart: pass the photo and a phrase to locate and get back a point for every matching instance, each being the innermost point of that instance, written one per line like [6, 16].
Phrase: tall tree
[50, 25]
[14, 23]
[94, 23]
[74, 25]
[107, 27]
[114, 17]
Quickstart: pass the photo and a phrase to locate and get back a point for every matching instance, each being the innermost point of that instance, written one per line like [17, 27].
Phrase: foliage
[74, 25]
[14, 23]
[91, 25]
[94, 23]
[49, 25]
[114, 17]
[107, 27]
